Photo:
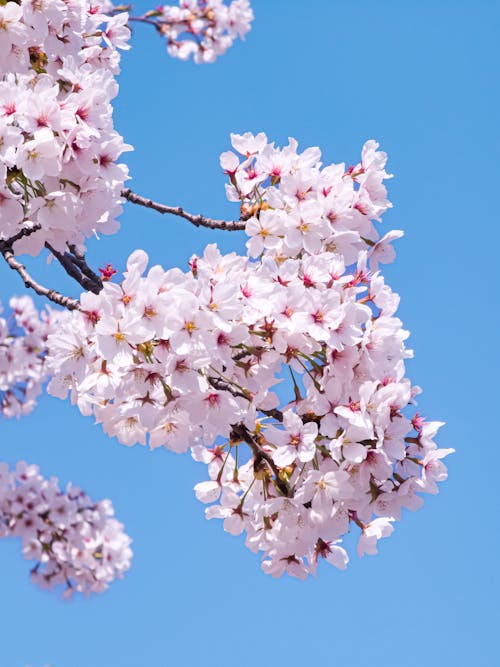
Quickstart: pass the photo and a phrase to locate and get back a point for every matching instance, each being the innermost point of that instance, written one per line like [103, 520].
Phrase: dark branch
[25, 231]
[274, 413]
[144, 19]
[31, 283]
[78, 258]
[241, 432]
[222, 385]
[197, 220]
[72, 266]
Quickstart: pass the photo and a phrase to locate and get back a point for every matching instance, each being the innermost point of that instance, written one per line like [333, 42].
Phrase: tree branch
[241, 432]
[25, 231]
[72, 265]
[222, 385]
[56, 297]
[144, 19]
[196, 220]
[274, 413]
[78, 258]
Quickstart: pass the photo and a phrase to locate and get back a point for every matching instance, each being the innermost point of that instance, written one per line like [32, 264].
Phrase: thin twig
[143, 19]
[222, 385]
[197, 220]
[56, 297]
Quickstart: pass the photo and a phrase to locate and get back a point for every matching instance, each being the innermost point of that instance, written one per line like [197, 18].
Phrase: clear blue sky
[421, 78]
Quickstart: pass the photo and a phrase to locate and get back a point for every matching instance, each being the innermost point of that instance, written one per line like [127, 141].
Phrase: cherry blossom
[23, 348]
[203, 29]
[58, 156]
[194, 359]
[76, 543]
[282, 370]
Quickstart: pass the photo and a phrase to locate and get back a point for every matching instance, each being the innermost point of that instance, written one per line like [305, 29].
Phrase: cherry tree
[282, 370]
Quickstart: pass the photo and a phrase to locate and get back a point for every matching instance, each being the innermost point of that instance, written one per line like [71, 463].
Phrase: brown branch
[31, 283]
[274, 413]
[241, 432]
[196, 220]
[161, 24]
[222, 385]
[143, 19]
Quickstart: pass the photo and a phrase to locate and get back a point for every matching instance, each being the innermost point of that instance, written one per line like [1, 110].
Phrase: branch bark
[25, 231]
[31, 283]
[241, 432]
[222, 385]
[77, 268]
[78, 258]
[196, 220]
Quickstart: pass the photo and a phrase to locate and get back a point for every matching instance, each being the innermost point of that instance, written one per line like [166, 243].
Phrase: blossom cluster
[58, 149]
[23, 347]
[194, 359]
[203, 29]
[76, 542]
[294, 206]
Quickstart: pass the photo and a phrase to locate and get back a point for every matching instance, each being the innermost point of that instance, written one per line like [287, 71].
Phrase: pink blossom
[77, 543]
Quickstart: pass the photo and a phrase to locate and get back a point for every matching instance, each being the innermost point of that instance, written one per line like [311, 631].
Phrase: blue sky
[421, 78]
